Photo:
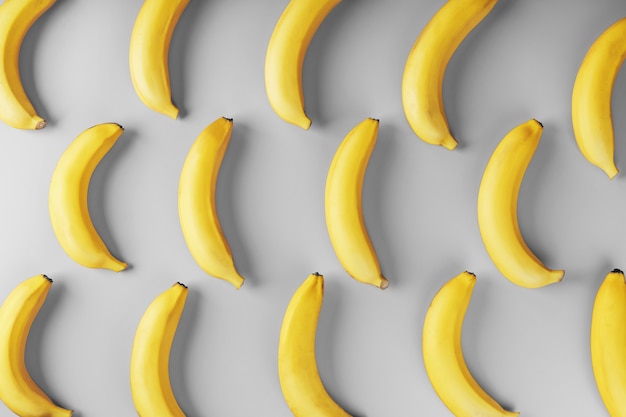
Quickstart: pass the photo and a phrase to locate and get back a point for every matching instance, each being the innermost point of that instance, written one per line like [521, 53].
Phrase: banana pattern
[591, 97]
[300, 382]
[608, 338]
[423, 107]
[149, 52]
[443, 354]
[497, 209]
[149, 373]
[343, 200]
[69, 213]
[196, 203]
[426, 65]
[285, 55]
[18, 391]
[16, 18]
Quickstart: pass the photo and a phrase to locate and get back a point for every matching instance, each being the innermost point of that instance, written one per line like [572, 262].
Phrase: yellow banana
[300, 382]
[426, 66]
[18, 391]
[69, 186]
[149, 52]
[285, 55]
[196, 202]
[608, 342]
[497, 209]
[149, 362]
[591, 97]
[344, 217]
[16, 18]
[443, 354]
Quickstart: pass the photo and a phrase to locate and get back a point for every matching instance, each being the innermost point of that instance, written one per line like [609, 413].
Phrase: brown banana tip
[617, 271]
[471, 273]
[40, 125]
[230, 119]
[181, 284]
[375, 119]
[540, 124]
[317, 274]
[47, 277]
[109, 123]
[384, 283]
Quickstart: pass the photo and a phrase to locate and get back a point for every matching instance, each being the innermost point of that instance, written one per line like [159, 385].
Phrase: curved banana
[196, 202]
[16, 18]
[149, 52]
[443, 354]
[591, 97]
[285, 54]
[426, 64]
[149, 363]
[344, 217]
[608, 338]
[69, 186]
[300, 382]
[18, 391]
[497, 209]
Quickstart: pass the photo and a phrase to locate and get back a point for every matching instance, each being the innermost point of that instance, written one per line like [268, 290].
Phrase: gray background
[529, 349]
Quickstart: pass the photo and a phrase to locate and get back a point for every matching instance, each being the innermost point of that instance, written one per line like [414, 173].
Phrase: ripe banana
[344, 217]
[591, 97]
[69, 186]
[196, 202]
[608, 339]
[300, 382]
[443, 354]
[497, 209]
[285, 55]
[426, 64]
[149, 52]
[18, 391]
[16, 18]
[149, 362]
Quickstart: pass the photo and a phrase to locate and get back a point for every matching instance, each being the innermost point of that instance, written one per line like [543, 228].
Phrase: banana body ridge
[69, 212]
[591, 97]
[300, 382]
[608, 338]
[285, 55]
[149, 373]
[426, 65]
[497, 209]
[443, 354]
[196, 203]
[18, 391]
[343, 201]
[16, 18]
[149, 53]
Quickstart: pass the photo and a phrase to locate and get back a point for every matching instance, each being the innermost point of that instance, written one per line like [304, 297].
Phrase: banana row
[299, 378]
[421, 82]
[497, 204]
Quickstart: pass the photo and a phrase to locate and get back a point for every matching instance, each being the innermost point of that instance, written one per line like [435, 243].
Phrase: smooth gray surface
[529, 349]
